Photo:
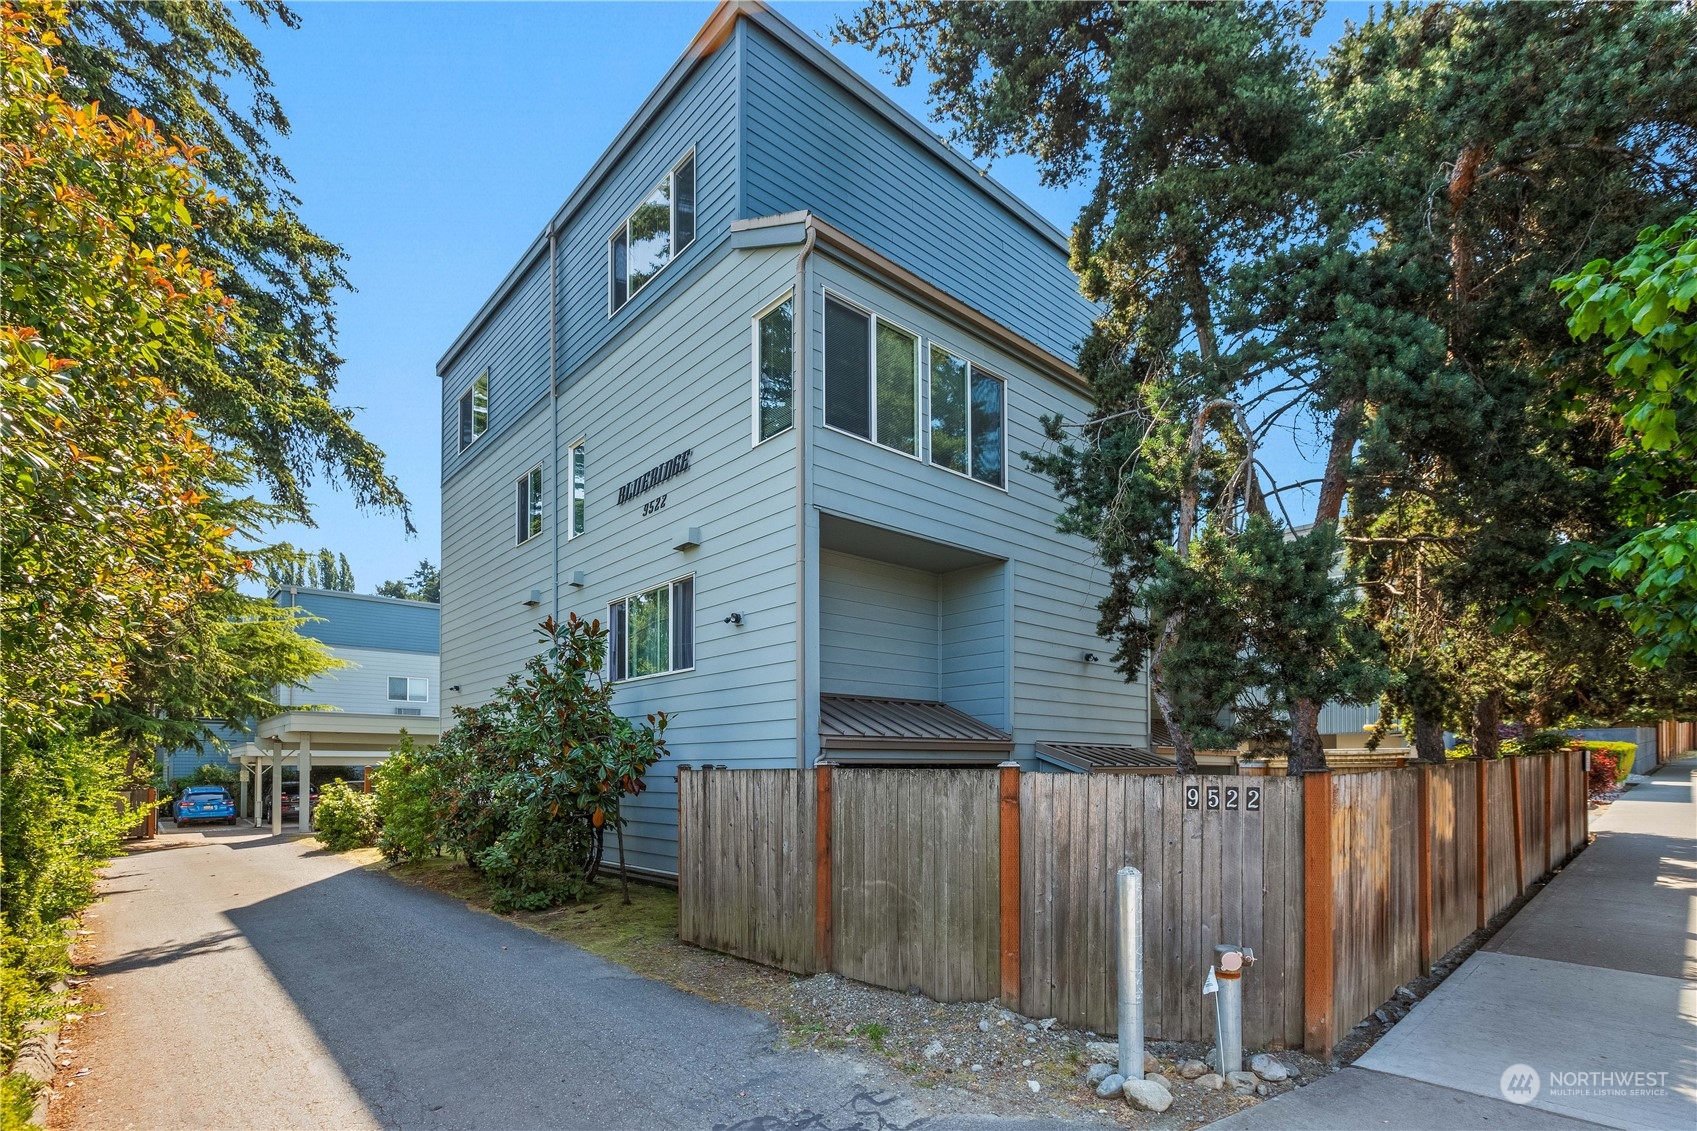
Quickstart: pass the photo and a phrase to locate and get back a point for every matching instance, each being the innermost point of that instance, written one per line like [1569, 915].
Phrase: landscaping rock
[1031, 1026]
[1213, 1081]
[1151, 1063]
[1241, 1079]
[1261, 1090]
[1103, 1050]
[933, 1050]
[1034, 1085]
[1046, 1024]
[1191, 1069]
[978, 1068]
[1150, 1095]
[1267, 1068]
[1112, 1085]
[984, 1025]
[1098, 1073]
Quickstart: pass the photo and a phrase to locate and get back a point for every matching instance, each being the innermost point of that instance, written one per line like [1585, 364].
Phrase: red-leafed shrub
[1601, 777]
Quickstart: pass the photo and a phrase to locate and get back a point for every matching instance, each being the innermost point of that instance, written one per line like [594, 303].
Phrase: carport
[325, 738]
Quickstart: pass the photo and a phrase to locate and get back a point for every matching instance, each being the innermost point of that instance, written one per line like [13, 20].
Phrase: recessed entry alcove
[921, 626]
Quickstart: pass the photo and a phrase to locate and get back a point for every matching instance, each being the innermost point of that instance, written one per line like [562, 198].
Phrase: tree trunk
[1428, 737]
[624, 877]
[1307, 752]
[1184, 754]
[1487, 717]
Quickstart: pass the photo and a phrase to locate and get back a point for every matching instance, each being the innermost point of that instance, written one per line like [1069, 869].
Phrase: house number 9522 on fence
[1231, 798]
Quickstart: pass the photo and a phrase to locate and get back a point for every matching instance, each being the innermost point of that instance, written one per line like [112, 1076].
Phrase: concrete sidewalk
[1596, 975]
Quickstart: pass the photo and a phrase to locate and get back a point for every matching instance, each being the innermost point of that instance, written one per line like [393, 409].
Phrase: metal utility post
[1130, 885]
[1230, 962]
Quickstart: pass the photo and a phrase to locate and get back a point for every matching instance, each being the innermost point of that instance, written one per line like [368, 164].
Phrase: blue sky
[433, 141]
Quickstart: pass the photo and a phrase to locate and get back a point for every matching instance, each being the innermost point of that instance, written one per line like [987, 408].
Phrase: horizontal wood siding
[1054, 582]
[363, 685]
[737, 707]
[973, 642]
[1455, 848]
[878, 628]
[1209, 877]
[810, 145]
[745, 870]
[916, 894]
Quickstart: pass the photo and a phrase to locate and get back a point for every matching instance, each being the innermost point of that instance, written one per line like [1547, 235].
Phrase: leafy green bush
[528, 778]
[343, 819]
[407, 786]
[62, 820]
[17, 1102]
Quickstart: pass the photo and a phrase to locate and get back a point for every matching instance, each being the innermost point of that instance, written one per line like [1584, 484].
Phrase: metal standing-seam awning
[1105, 758]
[863, 728]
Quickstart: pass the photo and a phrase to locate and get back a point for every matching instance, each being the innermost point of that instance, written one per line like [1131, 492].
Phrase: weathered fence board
[917, 886]
[745, 864]
[1455, 859]
[1210, 875]
[1502, 886]
[1376, 927]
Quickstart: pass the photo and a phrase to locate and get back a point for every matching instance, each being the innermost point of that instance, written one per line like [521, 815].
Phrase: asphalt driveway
[256, 982]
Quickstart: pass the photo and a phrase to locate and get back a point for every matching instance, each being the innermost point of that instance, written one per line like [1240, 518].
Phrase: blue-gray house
[756, 398]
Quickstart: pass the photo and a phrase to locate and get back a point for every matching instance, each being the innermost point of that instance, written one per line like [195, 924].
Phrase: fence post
[824, 940]
[1519, 830]
[152, 813]
[1549, 812]
[1482, 860]
[1317, 917]
[1009, 810]
[1423, 832]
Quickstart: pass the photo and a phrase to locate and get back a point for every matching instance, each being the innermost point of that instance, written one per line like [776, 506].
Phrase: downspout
[803, 423]
[554, 414]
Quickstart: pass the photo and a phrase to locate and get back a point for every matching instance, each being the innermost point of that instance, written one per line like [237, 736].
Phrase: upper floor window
[576, 458]
[474, 410]
[529, 504]
[774, 370]
[967, 410]
[408, 689]
[653, 632]
[871, 378]
[652, 236]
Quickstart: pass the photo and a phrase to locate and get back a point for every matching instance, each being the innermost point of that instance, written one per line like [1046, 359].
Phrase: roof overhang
[793, 228]
[1105, 758]
[344, 731]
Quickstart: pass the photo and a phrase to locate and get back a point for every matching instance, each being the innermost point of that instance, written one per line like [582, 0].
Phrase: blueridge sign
[655, 476]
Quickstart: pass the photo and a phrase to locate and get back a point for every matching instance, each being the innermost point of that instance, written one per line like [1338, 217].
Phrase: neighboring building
[352, 716]
[884, 583]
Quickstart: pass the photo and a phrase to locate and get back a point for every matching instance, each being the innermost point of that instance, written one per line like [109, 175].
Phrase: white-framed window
[968, 415]
[652, 632]
[653, 235]
[871, 377]
[528, 505]
[408, 689]
[575, 461]
[474, 411]
[774, 369]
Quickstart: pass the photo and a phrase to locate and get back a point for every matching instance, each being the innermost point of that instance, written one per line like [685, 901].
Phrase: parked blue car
[204, 803]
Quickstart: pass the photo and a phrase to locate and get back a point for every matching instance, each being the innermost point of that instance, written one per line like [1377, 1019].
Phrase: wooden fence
[971, 884]
[1415, 860]
[144, 803]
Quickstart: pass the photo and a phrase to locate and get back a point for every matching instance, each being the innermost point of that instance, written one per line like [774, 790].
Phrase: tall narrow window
[871, 378]
[774, 370]
[529, 504]
[948, 410]
[652, 632]
[474, 410]
[577, 458]
[897, 406]
[988, 412]
[967, 410]
[848, 393]
[653, 235]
